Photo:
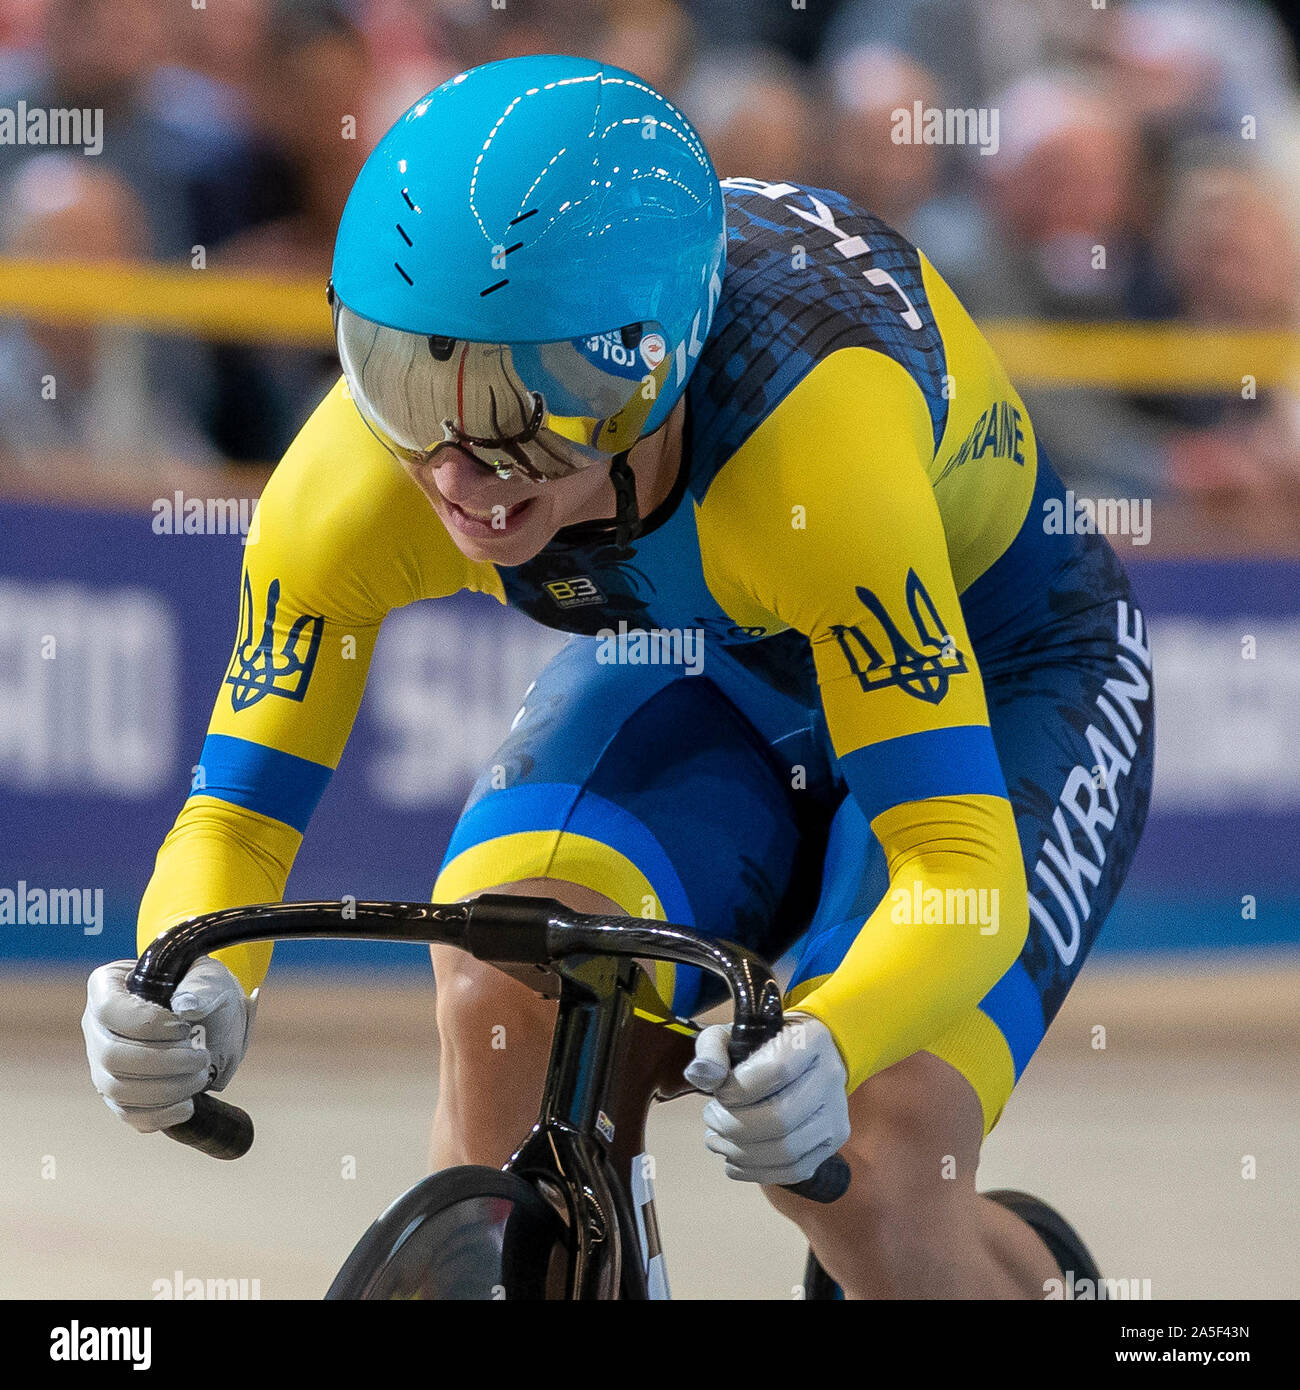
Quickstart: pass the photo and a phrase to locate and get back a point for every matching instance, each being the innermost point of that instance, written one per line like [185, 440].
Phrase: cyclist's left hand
[777, 1114]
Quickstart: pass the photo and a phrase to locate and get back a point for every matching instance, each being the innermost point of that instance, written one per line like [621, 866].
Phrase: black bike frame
[607, 1065]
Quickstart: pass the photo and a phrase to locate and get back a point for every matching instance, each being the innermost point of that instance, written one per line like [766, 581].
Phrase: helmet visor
[545, 409]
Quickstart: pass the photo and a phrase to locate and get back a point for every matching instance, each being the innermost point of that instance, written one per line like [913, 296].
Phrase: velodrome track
[1141, 1145]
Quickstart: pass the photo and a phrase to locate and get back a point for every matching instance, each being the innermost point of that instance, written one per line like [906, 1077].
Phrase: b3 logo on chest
[578, 591]
[879, 655]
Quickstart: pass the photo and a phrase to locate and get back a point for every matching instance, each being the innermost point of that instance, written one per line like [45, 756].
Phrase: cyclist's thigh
[1074, 733]
[645, 785]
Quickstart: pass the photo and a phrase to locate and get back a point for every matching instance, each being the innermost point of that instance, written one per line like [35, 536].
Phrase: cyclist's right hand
[147, 1061]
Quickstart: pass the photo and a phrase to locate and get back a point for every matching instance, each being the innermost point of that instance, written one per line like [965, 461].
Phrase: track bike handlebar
[493, 927]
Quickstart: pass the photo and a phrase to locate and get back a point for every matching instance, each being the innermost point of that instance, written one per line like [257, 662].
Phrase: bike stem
[573, 1141]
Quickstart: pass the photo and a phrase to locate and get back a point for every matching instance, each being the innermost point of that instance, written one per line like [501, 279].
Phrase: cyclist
[586, 378]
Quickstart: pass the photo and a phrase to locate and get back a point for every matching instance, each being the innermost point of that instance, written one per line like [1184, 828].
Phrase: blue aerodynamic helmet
[527, 266]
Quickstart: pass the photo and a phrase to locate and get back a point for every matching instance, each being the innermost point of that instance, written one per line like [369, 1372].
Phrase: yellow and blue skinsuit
[917, 752]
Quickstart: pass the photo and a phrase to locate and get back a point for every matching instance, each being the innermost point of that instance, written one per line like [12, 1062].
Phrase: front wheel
[464, 1233]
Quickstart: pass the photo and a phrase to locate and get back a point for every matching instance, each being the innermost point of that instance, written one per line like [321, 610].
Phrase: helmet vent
[406, 194]
[402, 233]
[524, 216]
[483, 293]
[403, 274]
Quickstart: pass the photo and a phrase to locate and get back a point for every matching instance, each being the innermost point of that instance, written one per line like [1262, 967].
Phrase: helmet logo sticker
[653, 350]
[609, 352]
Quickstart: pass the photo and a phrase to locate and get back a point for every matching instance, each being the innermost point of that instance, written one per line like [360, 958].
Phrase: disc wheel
[465, 1233]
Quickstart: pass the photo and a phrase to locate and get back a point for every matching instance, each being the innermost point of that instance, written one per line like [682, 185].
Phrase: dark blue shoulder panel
[794, 292]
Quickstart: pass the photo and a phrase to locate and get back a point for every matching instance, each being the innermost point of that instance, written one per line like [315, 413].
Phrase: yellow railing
[201, 303]
[247, 308]
[1143, 356]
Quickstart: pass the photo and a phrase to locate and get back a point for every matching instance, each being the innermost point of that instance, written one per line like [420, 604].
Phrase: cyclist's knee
[481, 1007]
[485, 1014]
[918, 1127]
[913, 1153]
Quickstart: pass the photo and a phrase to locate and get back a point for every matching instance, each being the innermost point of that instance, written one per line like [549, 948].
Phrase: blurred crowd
[1165, 132]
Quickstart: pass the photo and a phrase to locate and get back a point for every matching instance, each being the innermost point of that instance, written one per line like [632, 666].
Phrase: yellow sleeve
[984, 470]
[951, 924]
[825, 521]
[340, 537]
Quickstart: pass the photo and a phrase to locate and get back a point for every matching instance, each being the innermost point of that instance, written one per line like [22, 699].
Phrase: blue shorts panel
[663, 768]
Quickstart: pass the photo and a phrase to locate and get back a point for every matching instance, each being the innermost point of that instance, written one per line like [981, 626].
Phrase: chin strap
[627, 515]
[624, 526]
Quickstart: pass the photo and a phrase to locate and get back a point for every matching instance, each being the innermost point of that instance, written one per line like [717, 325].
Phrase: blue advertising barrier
[114, 639]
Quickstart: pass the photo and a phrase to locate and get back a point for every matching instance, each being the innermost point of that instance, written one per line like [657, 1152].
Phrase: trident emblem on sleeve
[257, 669]
[922, 670]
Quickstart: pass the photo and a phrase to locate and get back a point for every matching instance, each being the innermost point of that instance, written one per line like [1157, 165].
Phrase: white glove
[776, 1115]
[146, 1061]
